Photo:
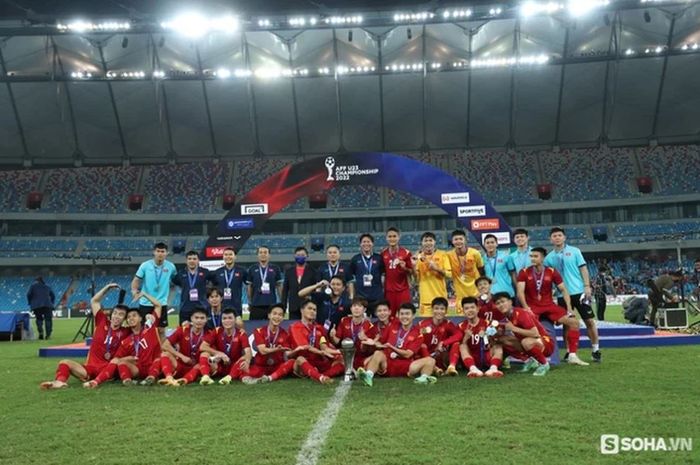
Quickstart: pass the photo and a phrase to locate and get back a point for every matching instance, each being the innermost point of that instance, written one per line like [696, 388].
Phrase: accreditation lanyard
[539, 280]
[368, 263]
[136, 341]
[312, 335]
[214, 320]
[263, 276]
[356, 331]
[192, 279]
[194, 345]
[331, 271]
[492, 265]
[158, 271]
[401, 337]
[272, 338]
[228, 277]
[228, 343]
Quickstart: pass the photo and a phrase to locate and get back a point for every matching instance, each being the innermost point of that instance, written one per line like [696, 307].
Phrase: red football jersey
[383, 328]
[404, 339]
[302, 335]
[186, 341]
[526, 320]
[230, 344]
[348, 329]
[105, 340]
[477, 330]
[145, 346]
[395, 278]
[489, 312]
[446, 331]
[263, 337]
[547, 279]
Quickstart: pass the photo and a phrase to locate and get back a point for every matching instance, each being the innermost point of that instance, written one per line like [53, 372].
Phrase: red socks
[167, 365]
[454, 354]
[124, 372]
[154, 369]
[107, 373]
[204, 365]
[335, 370]
[236, 372]
[538, 355]
[468, 362]
[191, 375]
[283, 370]
[572, 338]
[496, 362]
[309, 370]
[62, 372]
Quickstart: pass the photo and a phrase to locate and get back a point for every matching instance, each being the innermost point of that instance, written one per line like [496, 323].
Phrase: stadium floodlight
[268, 72]
[532, 8]
[341, 20]
[222, 73]
[264, 22]
[242, 73]
[195, 25]
[158, 74]
[578, 8]
[658, 49]
[456, 14]
[81, 26]
[495, 11]
[629, 52]
[413, 17]
[695, 46]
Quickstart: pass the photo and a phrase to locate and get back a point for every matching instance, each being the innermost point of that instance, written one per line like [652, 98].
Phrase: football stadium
[373, 232]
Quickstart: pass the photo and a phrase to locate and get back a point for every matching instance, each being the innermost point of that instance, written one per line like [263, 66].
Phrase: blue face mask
[300, 260]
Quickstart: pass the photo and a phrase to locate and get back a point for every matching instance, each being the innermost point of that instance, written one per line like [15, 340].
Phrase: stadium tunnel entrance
[321, 174]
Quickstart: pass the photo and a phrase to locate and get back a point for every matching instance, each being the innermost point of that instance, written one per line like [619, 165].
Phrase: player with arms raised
[106, 338]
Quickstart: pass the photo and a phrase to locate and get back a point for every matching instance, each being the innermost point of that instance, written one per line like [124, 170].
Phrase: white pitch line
[310, 451]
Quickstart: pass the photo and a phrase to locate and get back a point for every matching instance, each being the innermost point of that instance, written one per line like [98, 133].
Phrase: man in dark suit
[298, 276]
[41, 300]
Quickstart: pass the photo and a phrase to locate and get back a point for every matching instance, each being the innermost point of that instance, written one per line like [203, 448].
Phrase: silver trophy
[347, 347]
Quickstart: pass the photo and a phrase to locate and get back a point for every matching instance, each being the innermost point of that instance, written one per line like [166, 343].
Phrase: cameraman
[660, 292]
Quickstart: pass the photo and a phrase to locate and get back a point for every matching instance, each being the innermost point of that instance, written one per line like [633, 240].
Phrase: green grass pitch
[518, 419]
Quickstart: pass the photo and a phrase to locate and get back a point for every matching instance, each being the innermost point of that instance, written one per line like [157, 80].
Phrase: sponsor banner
[254, 209]
[618, 299]
[503, 237]
[338, 172]
[487, 224]
[247, 223]
[214, 251]
[454, 197]
[211, 265]
[471, 210]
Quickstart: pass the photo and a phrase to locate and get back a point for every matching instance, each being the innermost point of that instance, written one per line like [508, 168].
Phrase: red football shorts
[552, 312]
[93, 369]
[397, 367]
[395, 299]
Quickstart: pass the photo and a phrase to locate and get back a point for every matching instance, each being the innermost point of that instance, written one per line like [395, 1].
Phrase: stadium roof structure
[152, 85]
